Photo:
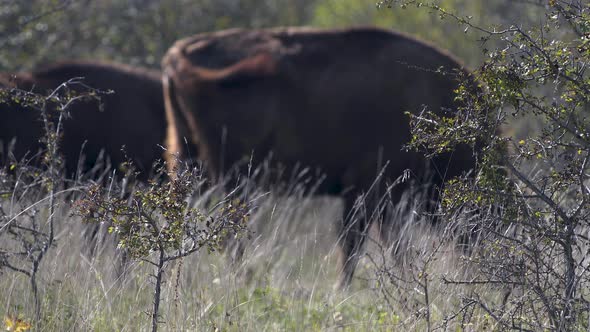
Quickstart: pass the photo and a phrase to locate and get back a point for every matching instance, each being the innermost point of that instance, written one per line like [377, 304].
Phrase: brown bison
[328, 99]
[132, 116]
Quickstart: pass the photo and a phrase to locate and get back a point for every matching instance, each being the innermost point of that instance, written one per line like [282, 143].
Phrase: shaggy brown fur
[133, 115]
[332, 99]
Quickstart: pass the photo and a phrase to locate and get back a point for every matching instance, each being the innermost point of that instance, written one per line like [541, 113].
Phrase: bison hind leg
[353, 231]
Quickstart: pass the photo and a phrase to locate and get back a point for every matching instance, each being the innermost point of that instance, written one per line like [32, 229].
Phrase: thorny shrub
[157, 224]
[531, 191]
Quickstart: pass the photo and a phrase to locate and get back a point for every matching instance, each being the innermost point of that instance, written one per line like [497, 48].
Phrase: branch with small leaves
[156, 224]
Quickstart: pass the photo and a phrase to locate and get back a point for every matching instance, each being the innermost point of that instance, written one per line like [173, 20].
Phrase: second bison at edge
[133, 115]
[328, 99]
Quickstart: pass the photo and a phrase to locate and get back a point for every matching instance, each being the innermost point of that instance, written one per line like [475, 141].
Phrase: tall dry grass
[283, 280]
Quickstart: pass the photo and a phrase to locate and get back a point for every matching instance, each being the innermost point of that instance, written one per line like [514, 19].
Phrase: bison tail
[173, 144]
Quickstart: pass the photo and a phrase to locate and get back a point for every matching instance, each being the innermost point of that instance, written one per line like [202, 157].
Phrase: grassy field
[283, 282]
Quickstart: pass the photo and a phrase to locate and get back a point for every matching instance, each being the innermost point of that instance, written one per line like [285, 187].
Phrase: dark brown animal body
[332, 99]
[132, 116]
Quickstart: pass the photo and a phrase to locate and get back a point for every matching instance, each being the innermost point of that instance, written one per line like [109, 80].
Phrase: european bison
[332, 99]
[132, 116]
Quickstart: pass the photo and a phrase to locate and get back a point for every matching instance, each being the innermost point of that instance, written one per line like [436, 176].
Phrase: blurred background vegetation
[139, 32]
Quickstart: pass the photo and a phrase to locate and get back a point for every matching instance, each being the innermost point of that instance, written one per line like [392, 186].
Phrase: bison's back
[338, 97]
